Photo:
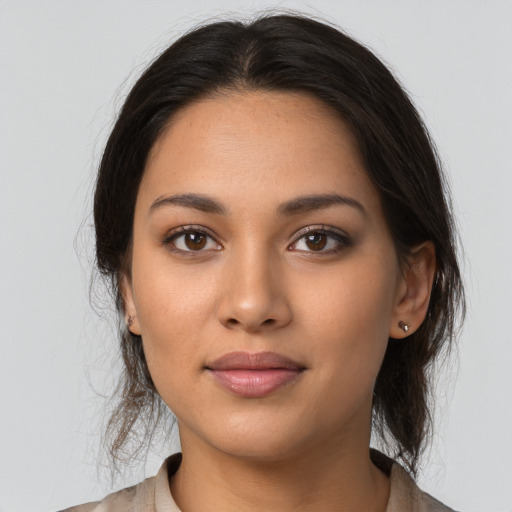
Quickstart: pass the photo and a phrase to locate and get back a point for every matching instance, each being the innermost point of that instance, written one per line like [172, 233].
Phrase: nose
[253, 296]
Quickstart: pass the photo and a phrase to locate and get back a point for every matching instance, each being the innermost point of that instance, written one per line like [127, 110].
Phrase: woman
[273, 219]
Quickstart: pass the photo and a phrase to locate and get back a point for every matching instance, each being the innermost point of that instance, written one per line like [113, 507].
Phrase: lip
[254, 375]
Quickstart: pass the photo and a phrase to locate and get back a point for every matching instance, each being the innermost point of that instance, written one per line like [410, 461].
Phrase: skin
[257, 285]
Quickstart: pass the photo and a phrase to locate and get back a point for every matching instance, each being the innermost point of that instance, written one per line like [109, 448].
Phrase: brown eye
[316, 241]
[191, 240]
[195, 241]
[322, 241]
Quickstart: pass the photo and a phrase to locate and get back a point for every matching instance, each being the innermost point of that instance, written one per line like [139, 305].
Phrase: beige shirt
[154, 495]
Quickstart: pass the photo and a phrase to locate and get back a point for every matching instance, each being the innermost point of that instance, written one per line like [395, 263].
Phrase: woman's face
[258, 231]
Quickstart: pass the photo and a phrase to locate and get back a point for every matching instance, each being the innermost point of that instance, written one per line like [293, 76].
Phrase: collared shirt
[154, 495]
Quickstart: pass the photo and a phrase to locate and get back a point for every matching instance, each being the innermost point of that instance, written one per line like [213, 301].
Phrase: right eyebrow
[197, 201]
[304, 204]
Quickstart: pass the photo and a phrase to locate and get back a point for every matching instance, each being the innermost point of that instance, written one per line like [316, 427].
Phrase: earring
[404, 326]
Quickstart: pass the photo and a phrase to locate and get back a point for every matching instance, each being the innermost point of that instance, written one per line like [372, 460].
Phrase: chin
[260, 442]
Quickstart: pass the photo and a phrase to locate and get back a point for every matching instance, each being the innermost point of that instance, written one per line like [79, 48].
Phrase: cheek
[173, 309]
[357, 298]
[349, 335]
[349, 322]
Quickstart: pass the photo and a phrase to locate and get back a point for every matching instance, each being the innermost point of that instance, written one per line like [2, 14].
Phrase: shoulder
[406, 495]
[138, 498]
[150, 495]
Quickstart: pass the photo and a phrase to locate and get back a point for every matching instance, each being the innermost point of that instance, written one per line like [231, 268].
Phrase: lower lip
[254, 383]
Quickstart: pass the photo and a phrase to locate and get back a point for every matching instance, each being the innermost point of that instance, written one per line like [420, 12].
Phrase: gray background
[65, 68]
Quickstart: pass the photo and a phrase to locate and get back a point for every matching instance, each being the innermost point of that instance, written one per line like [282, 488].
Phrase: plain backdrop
[65, 67]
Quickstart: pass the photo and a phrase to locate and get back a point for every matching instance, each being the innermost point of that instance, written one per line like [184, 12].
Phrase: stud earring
[404, 326]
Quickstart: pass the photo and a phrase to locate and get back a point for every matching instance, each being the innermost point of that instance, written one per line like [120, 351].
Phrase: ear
[130, 311]
[413, 291]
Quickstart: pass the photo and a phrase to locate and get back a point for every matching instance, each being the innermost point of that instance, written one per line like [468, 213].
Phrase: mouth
[254, 375]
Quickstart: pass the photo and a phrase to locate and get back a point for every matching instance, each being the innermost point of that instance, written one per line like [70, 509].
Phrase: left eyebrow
[309, 203]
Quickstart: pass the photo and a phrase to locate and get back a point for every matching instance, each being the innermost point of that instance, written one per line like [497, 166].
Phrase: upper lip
[256, 361]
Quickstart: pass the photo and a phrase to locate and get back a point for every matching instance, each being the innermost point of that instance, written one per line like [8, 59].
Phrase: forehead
[272, 144]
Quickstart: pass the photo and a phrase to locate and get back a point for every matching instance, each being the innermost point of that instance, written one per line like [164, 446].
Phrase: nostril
[235, 322]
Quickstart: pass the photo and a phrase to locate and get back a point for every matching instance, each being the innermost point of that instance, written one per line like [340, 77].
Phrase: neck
[328, 478]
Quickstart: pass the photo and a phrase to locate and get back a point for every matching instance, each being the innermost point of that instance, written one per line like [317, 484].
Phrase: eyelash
[340, 237]
[182, 231]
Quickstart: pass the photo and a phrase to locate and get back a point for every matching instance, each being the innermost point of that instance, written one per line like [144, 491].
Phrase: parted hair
[293, 53]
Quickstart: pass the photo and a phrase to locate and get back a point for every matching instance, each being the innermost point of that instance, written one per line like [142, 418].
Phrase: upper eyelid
[323, 228]
[189, 228]
[175, 233]
[300, 232]
[315, 228]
